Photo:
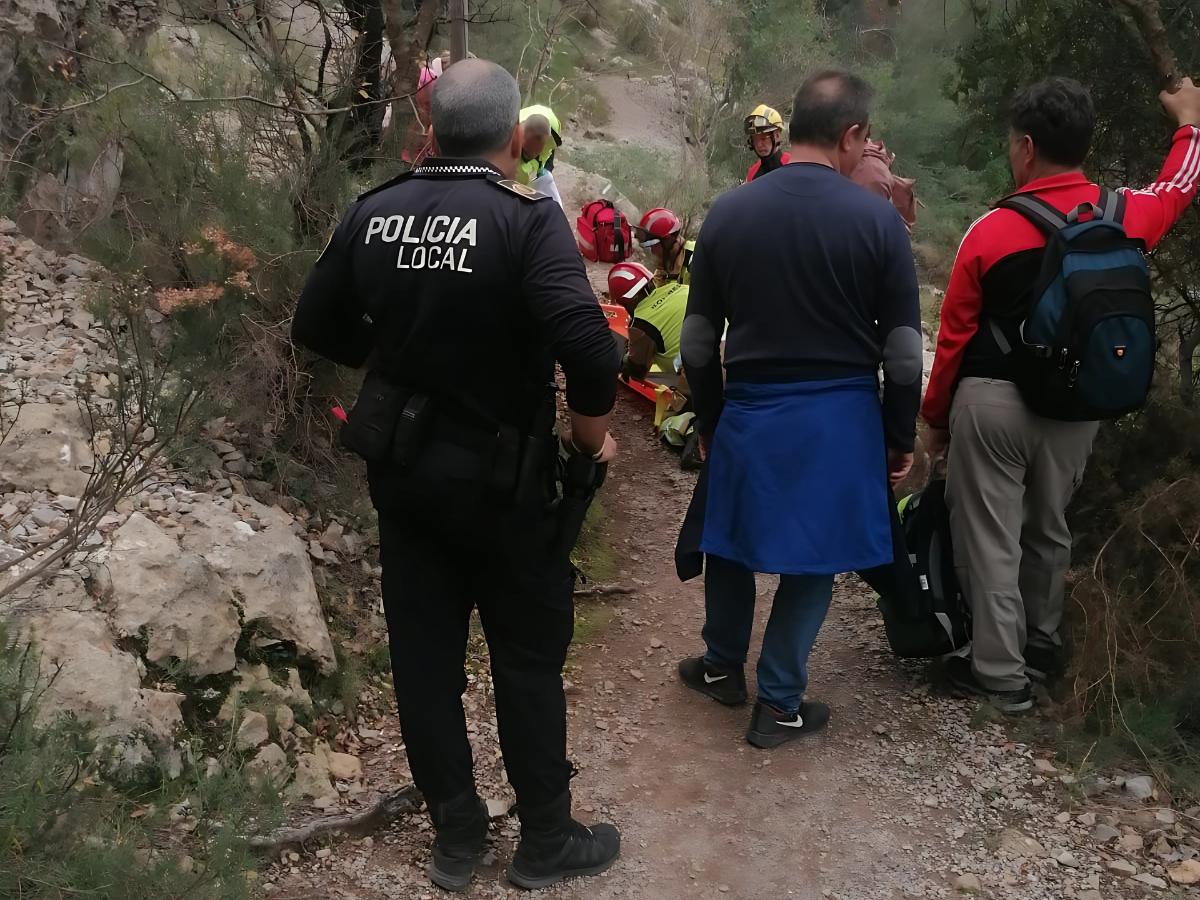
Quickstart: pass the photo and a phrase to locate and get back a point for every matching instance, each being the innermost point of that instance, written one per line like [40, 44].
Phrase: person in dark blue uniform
[801, 446]
[458, 289]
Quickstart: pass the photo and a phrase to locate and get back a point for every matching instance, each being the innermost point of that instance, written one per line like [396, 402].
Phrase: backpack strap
[618, 231]
[1111, 205]
[1042, 214]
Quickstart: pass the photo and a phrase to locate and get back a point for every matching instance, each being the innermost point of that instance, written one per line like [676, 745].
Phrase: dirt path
[904, 794]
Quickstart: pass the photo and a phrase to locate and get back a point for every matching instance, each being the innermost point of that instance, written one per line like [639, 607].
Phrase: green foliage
[649, 177]
[65, 832]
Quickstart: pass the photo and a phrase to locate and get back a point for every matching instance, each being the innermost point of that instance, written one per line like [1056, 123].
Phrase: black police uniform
[465, 288]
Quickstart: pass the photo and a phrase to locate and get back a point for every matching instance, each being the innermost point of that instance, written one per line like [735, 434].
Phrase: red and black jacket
[1000, 257]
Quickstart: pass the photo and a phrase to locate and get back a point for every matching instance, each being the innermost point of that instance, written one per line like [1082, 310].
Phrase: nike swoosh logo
[713, 679]
[798, 722]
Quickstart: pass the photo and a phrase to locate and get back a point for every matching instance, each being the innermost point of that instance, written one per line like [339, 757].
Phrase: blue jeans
[799, 609]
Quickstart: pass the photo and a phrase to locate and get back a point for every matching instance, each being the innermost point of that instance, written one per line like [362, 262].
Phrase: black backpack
[1089, 341]
[924, 612]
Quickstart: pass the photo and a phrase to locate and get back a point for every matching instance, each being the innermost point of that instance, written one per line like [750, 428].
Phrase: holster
[431, 439]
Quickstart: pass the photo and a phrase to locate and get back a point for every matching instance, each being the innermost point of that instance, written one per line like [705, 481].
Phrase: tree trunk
[1189, 342]
[1148, 21]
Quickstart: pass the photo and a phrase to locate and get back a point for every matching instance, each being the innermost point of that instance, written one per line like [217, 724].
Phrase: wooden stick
[604, 590]
[389, 808]
[1148, 21]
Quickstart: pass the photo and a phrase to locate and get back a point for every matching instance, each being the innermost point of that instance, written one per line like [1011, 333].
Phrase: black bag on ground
[924, 612]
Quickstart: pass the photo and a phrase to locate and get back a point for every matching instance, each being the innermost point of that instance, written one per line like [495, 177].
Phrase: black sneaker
[1045, 665]
[726, 686]
[554, 847]
[769, 727]
[960, 675]
[461, 825]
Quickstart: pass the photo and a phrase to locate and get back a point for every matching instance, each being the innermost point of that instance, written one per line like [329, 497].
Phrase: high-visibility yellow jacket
[529, 169]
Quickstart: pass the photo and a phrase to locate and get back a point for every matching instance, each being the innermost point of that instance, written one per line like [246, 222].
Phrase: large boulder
[186, 611]
[268, 570]
[89, 675]
[47, 450]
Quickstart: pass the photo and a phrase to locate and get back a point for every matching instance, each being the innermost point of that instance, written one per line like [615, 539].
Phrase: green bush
[65, 831]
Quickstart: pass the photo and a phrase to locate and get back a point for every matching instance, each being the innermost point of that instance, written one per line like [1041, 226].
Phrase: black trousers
[438, 564]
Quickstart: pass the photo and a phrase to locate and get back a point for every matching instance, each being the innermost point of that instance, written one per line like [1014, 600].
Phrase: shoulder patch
[385, 185]
[523, 191]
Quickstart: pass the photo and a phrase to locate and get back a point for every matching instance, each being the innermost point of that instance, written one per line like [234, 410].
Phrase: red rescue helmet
[657, 224]
[627, 280]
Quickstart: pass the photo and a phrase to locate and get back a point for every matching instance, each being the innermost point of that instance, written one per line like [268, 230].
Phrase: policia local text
[437, 245]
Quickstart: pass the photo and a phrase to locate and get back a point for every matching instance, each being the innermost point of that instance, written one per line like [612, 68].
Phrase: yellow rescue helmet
[762, 120]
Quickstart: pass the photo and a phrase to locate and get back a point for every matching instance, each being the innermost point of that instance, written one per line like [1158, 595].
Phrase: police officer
[458, 289]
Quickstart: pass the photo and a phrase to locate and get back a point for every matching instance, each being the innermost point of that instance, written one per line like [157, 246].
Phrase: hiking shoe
[961, 676]
[461, 825]
[1045, 665]
[726, 686]
[769, 727]
[554, 847]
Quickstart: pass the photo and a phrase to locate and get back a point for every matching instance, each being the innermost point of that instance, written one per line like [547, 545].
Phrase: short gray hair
[475, 108]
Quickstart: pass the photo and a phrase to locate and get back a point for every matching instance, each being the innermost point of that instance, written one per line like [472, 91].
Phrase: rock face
[268, 570]
[186, 611]
[178, 571]
[47, 450]
[97, 682]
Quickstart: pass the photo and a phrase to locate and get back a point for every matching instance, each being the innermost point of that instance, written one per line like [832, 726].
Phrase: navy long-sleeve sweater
[815, 278]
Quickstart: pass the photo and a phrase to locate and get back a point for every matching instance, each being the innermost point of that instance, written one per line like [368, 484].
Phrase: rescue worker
[543, 135]
[661, 232]
[802, 441]
[764, 135]
[1012, 472]
[656, 318]
[458, 288]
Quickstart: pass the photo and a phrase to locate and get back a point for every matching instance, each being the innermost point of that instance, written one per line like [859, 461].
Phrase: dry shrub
[1137, 625]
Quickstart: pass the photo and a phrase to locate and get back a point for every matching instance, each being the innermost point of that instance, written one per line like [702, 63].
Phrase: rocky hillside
[149, 628]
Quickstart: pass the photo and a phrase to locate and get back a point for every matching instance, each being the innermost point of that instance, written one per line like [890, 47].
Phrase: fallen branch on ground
[603, 590]
[389, 808]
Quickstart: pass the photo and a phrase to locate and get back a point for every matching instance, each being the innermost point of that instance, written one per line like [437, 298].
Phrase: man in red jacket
[1012, 473]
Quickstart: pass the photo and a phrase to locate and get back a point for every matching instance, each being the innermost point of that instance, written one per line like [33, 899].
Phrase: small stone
[1132, 843]
[1089, 895]
[1162, 848]
[1187, 872]
[324, 853]
[1044, 767]
[1150, 881]
[1122, 867]
[723, 888]
[498, 809]
[1087, 820]
[1015, 843]
[1166, 816]
[1067, 859]
[1105, 834]
[253, 731]
[931, 802]
[1063, 818]
[636, 674]
[344, 767]
[271, 761]
[968, 884]
[880, 730]
[1140, 787]
[657, 644]
[284, 717]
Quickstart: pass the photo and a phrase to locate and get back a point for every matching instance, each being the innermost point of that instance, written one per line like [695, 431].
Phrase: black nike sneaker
[726, 686]
[554, 847]
[769, 727]
[962, 678]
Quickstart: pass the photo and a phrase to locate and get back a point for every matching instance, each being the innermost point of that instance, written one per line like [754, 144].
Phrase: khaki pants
[1011, 475]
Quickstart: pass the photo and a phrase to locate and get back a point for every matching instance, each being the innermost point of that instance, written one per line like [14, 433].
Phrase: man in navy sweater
[801, 443]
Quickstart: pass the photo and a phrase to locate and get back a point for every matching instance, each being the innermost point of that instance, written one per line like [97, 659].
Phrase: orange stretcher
[661, 395]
